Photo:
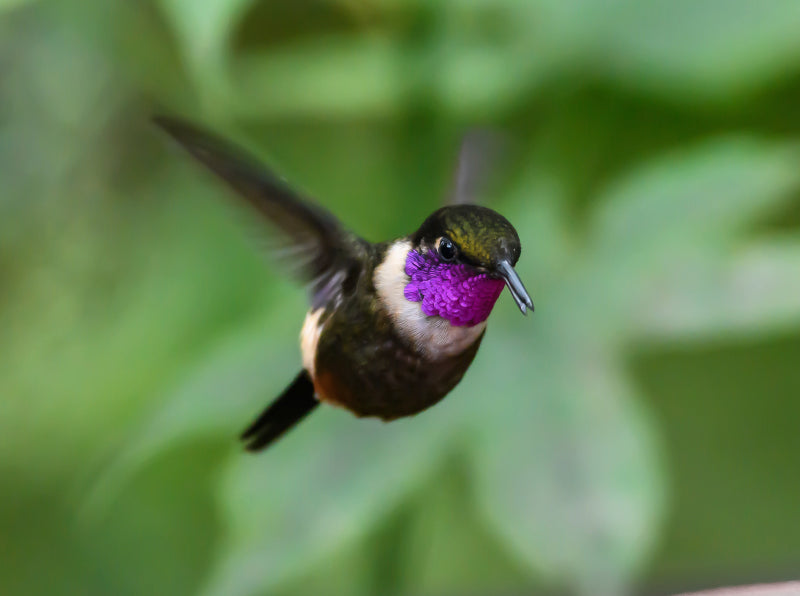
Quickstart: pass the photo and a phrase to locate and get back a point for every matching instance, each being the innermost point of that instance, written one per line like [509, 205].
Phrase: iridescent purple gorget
[449, 290]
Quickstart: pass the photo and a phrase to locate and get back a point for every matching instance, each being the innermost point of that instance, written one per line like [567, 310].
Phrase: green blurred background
[637, 434]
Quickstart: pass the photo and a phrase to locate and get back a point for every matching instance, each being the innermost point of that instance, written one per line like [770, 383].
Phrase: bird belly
[371, 370]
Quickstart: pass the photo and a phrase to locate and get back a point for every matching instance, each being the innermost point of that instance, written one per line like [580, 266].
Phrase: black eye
[447, 250]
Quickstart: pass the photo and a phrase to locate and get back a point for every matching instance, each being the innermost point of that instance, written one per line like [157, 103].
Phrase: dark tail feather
[294, 404]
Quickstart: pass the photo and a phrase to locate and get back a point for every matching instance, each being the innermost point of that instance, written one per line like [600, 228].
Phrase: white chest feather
[309, 338]
[433, 335]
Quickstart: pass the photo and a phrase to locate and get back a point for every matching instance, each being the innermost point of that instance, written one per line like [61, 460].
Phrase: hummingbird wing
[310, 241]
[480, 151]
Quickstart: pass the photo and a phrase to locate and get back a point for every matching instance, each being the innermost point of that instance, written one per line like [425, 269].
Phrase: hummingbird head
[460, 259]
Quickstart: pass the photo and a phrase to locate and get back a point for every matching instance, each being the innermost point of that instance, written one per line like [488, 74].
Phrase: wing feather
[310, 241]
[480, 152]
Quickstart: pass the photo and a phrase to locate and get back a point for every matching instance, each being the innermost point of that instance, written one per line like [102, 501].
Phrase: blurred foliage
[638, 432]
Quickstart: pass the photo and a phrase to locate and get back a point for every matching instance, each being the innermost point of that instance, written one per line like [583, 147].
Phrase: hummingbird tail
[294, 404]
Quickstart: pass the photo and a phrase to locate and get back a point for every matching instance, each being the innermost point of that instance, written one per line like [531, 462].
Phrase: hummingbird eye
[447, 250]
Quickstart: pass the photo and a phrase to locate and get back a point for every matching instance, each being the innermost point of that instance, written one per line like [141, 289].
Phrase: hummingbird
[392, 326]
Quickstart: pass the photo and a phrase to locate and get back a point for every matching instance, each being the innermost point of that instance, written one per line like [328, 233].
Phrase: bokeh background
[637, 434]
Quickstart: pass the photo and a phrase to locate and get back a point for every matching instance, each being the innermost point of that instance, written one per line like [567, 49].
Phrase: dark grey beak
[515, 286]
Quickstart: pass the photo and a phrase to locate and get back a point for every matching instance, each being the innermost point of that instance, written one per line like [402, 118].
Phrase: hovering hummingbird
[393, 326]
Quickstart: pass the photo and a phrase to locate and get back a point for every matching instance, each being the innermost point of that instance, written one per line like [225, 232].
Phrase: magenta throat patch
[451, 291]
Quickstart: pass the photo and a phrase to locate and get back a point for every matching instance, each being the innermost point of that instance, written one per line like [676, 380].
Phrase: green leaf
[215, 398]
[699, 196]
[351, 77]
[698, 49]
[203, 29]
[364, 73]
[443, 547]
[340, 76]
[319, 488]
[754, 291]
[567, 469]
[12, 4]
[565, 458]
[680, 208]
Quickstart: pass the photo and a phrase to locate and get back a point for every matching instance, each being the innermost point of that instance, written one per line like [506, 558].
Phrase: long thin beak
[515, 286]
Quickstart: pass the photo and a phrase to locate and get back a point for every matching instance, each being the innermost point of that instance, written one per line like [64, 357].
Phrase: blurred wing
[480, 151]
[310, 241]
